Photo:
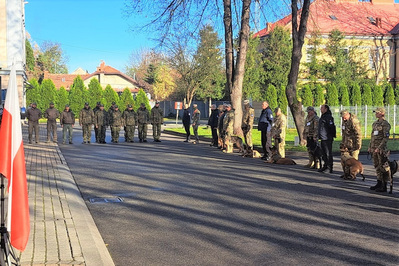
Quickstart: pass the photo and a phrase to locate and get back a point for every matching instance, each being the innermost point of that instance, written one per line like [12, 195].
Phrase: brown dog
[350, 165]
[277, 159]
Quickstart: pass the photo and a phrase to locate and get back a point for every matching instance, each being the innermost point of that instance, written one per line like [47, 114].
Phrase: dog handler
[378, 149]
[310, 133]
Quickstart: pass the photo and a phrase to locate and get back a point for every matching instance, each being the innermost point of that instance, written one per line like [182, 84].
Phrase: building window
[63, 79]
[374, 58]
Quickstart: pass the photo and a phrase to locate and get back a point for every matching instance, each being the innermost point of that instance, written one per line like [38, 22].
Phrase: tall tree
[30, 58]
[318, 95]
[282, 100]
[32, 91]
[62, 99]
[48, 93]
[77, 95]
[94, 92]
[367, 95]
[356, 95]
[306, 95]
[254, 75]
[142, 98]
[314, 51]
[332, 97]
[126, 98]
[389, 94]
[52, 58]
[378, 96]
[110, 96]
[298, 35]
[271, 96]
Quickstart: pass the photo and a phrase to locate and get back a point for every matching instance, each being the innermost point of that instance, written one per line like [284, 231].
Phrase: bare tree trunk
[228, 39]
[298, 36]
[239, 71]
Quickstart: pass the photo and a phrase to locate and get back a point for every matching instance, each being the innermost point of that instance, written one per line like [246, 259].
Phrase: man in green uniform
[101, 123]
[86, 119]
[228, 128]
[196, 122]
[143, 117]
[156, 121]
[378, 149]
[130, 118]
[310, 132]
[51, 114]
[278, 131]
[95, 110]
[115, 122]
[247, 124]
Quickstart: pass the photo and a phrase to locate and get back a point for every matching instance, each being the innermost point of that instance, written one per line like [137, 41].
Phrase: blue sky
[88, 30]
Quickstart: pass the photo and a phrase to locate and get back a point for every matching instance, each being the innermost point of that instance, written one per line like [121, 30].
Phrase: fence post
[365, 121]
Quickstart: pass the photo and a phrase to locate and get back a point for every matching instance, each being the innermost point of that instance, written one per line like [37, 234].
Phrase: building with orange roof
[372, 26]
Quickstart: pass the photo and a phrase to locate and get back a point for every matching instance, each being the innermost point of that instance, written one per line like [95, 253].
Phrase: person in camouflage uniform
[351, 133]
[378, 149]
[95, 109]
[143, 118]
[196, 122]
[116, 123]
[156, 119]
[278, 131]
[51, 114]
[228, 128]
[310, 132]
[247, 124]
[101, 123]
[86, 119]
[130, 118]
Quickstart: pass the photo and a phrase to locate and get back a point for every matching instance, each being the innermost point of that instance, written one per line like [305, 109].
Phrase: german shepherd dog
[350, 165]
[276, 158]
[315, 149]
[391, 168]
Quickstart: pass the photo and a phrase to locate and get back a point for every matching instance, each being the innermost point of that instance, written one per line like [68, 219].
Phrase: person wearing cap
[95, 110]
[351, 133]
[33, 115]
[222, 114]
[130, 119]
[156, 119]
[228, 128]
[264, 126]
[278, 131]
[101, 123]
[247, 124]
[86, 119]
[111, 108]
[67, 121]
[51, 114]
[310, 134]
[116, 122]
[213, 123]
[143, 118]
[326, 133]
[186, 120]
[378, 149]
[196, 122]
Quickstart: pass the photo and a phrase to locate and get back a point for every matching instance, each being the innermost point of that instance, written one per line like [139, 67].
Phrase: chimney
[268, 27]
[378, 22]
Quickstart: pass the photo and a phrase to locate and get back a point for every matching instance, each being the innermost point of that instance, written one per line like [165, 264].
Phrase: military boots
[378, 185]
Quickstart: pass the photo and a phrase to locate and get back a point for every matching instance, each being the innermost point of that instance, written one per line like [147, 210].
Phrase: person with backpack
[326, 133]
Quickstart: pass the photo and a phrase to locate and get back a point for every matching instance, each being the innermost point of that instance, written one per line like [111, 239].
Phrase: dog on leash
[238, 143]
[277, 159]
[315, 149]
[391, 168]
[350, 165]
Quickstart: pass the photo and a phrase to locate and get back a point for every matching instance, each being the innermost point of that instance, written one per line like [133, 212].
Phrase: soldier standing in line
[33, 115]
[130, 118]
[278, 131]
[222, 113]
[101, 123]
[378, 149]
[143, 118]
[351, 133]
[111, 108]
[95, 109]
[310, 134]
[213, 123]
[186, 119]
[156, 121]
[247, 124]
[196, 122]
[86, 119]
[116, 123]
[67, 121]
[51, 114]
[228, 128]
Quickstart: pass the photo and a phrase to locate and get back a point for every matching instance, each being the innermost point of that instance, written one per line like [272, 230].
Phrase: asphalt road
[186, 204]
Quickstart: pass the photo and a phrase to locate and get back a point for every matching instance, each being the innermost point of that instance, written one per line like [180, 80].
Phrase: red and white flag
[12, 166]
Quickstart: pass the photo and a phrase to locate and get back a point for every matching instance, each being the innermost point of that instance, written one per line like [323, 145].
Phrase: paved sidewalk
[63, 231]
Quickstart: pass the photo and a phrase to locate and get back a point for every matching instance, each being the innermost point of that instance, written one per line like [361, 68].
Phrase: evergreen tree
[282, 100]
[94, 93]
[141, 97]
[48, 93]
[332, 95]
[389, 95]
[314, 51]
[367, 96]
[32, 92]
[307, 96]
[319, 95]
[396, 95]
[62, 99]
[110, 96]
[378, 96]
[271, 96]
[77, 95]
[356, 95]
[254, 75]
[126, 98]
[344, 95]
[30, 58]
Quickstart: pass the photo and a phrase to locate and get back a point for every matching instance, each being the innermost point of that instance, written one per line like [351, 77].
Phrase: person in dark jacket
[326, 133]
[51, 114]
[187, 121]
[33, 115]
[264, 126]
[67, 121]
[213, 123]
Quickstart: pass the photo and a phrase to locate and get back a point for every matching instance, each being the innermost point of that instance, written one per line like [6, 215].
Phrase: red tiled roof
[352, 18]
